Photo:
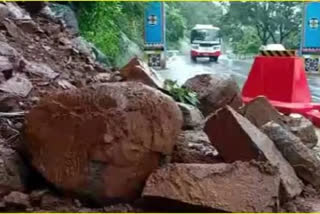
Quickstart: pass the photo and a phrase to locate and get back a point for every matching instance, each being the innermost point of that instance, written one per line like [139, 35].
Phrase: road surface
[180, 68]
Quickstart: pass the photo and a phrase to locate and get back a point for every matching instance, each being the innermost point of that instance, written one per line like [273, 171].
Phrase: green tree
[175, 26]
[249, 43]
[273, 21]
[103, 22]
[200, 13]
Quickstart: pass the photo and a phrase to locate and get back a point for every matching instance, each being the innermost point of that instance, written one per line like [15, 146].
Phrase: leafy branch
[181, 94]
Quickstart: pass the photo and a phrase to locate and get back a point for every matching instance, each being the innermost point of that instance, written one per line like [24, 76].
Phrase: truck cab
[205, 42]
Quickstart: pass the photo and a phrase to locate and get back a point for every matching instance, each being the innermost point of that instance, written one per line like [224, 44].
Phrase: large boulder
[303, 160]
[215, 91]
[194, 147]
[102, 141]
[237, 187]
[236, 138]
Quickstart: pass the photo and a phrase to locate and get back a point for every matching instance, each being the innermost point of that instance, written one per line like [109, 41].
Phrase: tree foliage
[103, 22]
[175, 26]
[273, 21]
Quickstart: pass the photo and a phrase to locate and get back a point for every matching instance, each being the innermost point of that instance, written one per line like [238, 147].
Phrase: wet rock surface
[236, 138]
[102, 142]
[214, 92]
[225, 187]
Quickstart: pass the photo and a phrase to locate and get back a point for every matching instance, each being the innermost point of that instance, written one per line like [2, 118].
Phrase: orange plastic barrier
[283, 81]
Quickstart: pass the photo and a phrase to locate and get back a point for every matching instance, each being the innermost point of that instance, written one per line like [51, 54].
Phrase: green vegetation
[263, 22]
[181, 94]
[103, 22]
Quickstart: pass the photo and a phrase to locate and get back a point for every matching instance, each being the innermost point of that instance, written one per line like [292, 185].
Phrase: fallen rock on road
[103, 141]
[225, 187]
[259, 111]
[236, 138]
[303, 160]
[215, 91]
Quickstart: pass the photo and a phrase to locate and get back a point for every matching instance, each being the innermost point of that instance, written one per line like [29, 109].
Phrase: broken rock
[192, 117]
[303, 160]
[194, 147]
[5, 64]
[13, 29]
[260, 111]
[9, 103]
[136, 70]
[103, 141]
[304, 129]
[40, 69]
[18, 85]
[236, 138]
[12, 170]
[17, 200]
[237, 187]
[215, 91]
[7, 50]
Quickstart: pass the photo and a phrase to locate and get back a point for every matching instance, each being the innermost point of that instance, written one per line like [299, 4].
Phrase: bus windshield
[205, 35]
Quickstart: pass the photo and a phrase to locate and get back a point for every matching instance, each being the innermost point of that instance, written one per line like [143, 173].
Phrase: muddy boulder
[215, 91]
[102, 142]
[237, 187]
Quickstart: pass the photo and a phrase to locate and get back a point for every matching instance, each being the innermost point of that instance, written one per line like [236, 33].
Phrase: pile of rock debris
[77, 137]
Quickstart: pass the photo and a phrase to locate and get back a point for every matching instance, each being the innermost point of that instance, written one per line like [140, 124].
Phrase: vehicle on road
[205, 42]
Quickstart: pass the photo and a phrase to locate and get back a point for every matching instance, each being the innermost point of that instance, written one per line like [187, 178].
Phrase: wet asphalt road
[180, 68]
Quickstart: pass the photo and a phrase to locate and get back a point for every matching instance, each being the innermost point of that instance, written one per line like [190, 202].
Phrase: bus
[205, 42]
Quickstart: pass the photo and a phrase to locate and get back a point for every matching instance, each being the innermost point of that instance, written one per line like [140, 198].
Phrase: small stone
[17, 199]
